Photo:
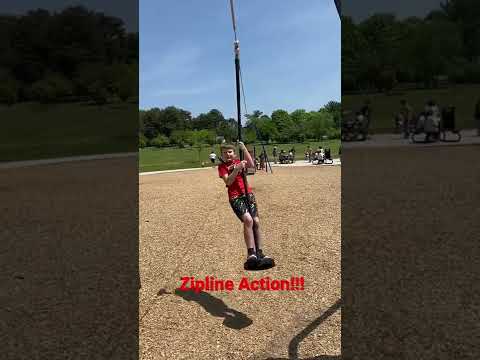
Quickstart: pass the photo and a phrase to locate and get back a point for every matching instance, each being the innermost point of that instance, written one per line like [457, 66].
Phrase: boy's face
[228, 154]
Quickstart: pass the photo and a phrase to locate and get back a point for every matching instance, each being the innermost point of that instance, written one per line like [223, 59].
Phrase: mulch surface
[68, 260]
[410, 253]
[187, 228]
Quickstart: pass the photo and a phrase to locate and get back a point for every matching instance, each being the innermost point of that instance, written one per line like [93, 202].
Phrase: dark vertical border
[410, 212]
[69, 275]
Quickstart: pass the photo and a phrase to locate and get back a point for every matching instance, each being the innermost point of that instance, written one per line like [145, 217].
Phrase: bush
[160, 141]
[127, 85]
[51, 88]
[179, 138]
[98, 93]
[42, 91]
[142, 141]
[333, 133]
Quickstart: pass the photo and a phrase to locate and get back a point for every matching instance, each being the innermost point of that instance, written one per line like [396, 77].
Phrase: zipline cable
[232, 10]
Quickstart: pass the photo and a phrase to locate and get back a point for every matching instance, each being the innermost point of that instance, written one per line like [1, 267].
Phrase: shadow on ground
[297, 339]
[233, 319]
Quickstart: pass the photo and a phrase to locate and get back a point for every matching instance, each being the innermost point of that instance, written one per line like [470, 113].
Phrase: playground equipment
[263, 159]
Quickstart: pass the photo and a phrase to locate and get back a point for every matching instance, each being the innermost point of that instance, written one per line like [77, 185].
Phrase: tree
[39, 43]
[335, 108]
[210, 120]
[202, 137]
[227, 129]
[142, 141]
[320, 123]
[52, 87]
[282, 122]
[179, 138]
[465, 14]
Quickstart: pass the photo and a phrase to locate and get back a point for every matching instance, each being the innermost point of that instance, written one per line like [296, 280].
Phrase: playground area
[187, 229]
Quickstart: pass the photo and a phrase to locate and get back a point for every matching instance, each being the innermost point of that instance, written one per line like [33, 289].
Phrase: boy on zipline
[243, 204]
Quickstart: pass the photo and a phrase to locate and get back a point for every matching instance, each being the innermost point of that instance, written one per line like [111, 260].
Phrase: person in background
[406, 112]
[212, 157]
[262, 161]
[477, 116]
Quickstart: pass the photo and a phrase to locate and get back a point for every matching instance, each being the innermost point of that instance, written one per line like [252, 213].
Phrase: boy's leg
[256, 232]
[264, 261]
[252, 260]
[243, 211]
[248, 231]
[240, 208]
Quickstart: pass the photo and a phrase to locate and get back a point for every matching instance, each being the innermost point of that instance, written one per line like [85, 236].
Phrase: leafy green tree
[51, 87]
[200, 138]
[250, 136]
[465, 14]
[210, 120]
[172, 118]
[227, 129]
[160, 141]
[62, 43]
[179, 138]
[283, 123]
[142, 141]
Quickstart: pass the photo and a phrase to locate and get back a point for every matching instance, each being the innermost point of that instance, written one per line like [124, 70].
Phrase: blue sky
[290, 54]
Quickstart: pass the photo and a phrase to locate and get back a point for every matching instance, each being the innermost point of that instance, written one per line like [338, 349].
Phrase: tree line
[383, 51]
[172, 126]
[70, 55]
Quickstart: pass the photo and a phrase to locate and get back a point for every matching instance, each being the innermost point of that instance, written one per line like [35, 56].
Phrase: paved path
[336, 162]
[469, 137]
[27, 163]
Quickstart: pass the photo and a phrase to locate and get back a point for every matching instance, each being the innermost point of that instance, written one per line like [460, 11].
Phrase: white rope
[232, 10]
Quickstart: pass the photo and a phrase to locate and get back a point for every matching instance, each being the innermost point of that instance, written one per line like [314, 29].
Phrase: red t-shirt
[238, 187]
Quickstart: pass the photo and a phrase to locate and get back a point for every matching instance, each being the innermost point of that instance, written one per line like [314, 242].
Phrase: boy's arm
[248, 157]
[229, 179]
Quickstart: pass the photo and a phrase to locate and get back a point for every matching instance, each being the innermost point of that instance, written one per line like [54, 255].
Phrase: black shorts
[240, 206]
[213, 161]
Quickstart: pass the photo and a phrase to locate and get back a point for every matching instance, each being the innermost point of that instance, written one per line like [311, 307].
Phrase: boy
[245, 208]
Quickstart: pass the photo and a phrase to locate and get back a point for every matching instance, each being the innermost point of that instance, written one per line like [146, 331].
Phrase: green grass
[463, 97]
[153, 159]
[38, 131]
